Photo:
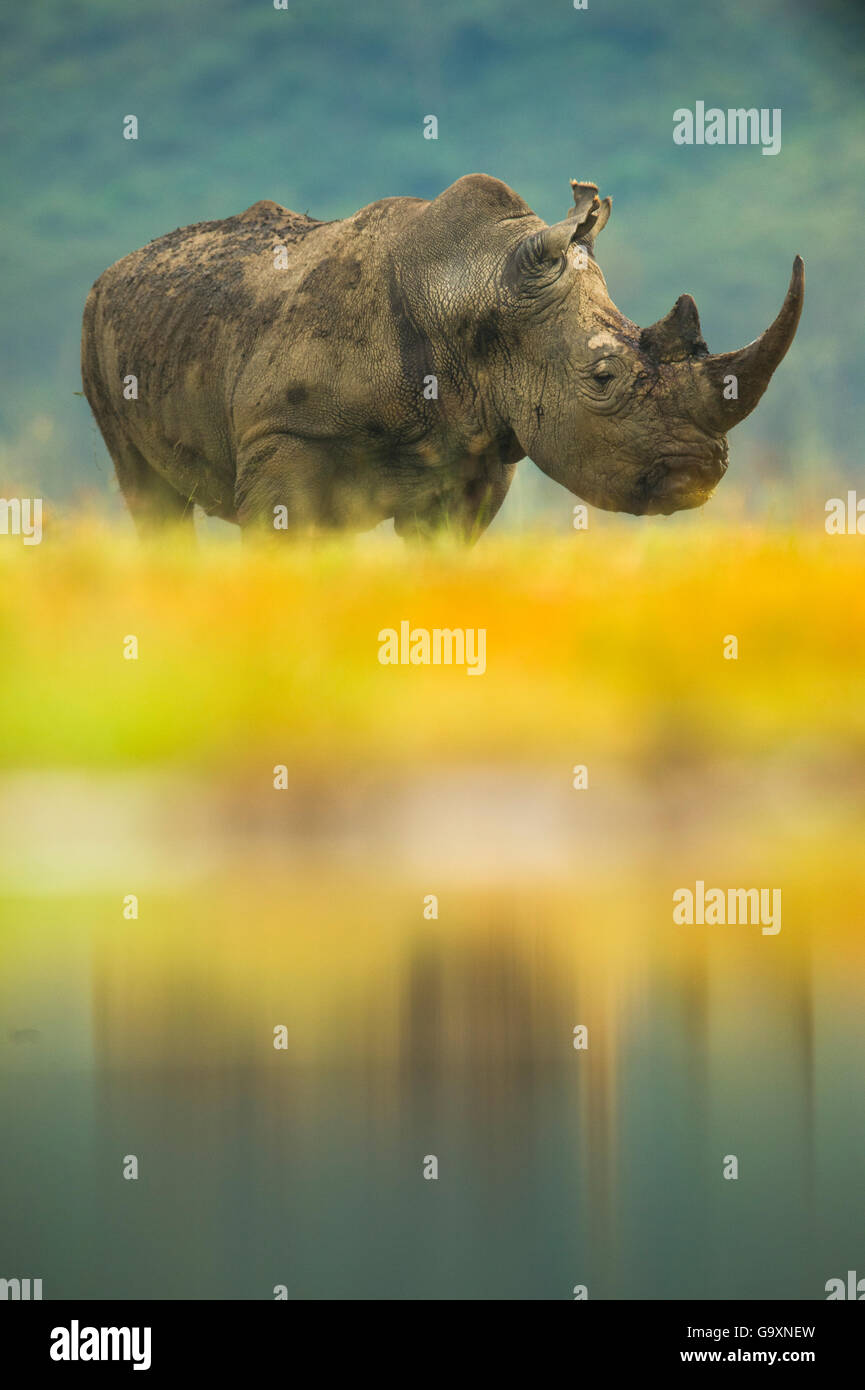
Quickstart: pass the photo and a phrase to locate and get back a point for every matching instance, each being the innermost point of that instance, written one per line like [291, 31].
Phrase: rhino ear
[585, 219]
[590, 213]
[601, 220]
[586, 202]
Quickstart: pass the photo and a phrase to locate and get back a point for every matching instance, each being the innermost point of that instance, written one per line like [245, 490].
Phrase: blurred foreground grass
[609, 641]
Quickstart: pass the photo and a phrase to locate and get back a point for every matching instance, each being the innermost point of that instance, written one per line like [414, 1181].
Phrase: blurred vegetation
[609, 643]
[321, 107]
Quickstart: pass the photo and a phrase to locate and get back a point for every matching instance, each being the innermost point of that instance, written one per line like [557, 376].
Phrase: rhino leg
[152, 501]
[464, 514]
[294, 485]
[280, 471]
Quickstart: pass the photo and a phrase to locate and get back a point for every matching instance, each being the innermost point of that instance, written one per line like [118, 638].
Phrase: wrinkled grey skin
[303, 388]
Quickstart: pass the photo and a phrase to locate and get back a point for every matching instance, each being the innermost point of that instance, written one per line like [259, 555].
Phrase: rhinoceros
[291, 374]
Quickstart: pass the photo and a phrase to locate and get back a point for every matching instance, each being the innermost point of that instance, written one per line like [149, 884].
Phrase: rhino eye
[600, 379]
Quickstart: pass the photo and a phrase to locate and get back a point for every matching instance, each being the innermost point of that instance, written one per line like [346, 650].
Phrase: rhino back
[270, 306]
[190, 299]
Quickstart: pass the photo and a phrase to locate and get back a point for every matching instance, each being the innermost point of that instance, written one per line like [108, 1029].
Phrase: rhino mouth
[677, 499]
[679, 482]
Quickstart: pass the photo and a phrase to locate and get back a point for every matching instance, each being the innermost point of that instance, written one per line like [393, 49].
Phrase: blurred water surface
[409, 1036]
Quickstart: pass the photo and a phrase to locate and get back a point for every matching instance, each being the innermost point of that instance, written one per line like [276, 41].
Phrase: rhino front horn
[724, 402]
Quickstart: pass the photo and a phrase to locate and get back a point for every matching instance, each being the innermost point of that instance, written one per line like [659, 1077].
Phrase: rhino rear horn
[752, 366]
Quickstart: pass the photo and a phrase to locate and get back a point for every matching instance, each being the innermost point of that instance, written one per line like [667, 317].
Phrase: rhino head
[627, 419]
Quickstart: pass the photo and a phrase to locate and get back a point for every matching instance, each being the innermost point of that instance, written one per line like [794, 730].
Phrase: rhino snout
[684, 477]
[705, 462]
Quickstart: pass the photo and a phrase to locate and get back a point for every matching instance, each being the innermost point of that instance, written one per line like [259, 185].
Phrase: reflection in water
[452, 1037]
